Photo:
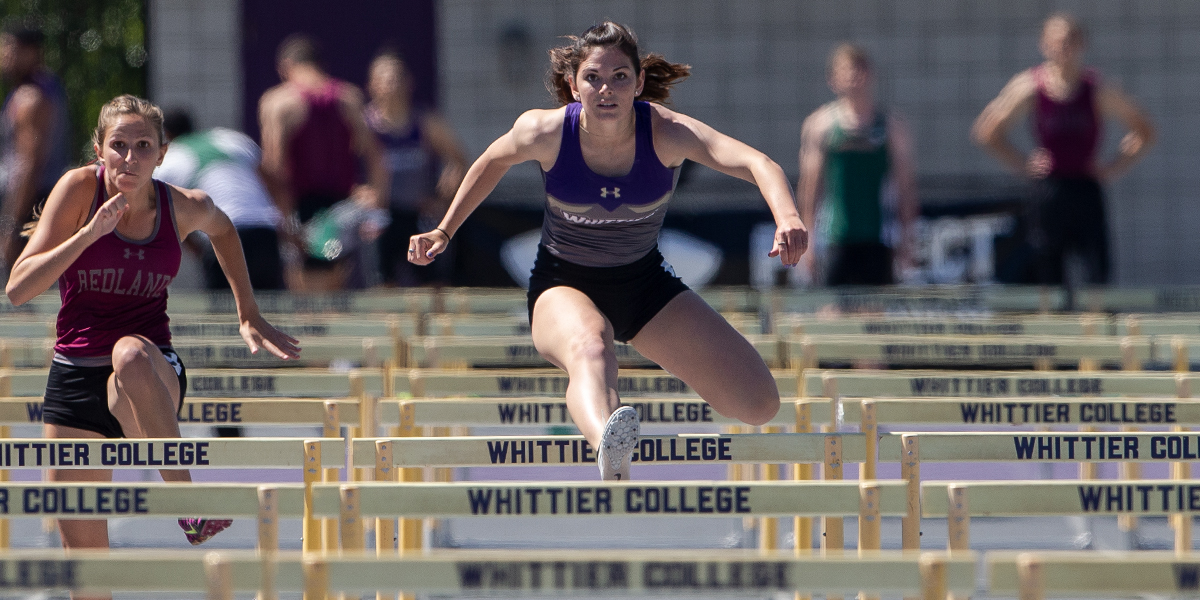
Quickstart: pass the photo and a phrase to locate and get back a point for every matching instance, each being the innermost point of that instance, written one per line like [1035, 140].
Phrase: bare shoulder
[674, 127]
[539, 126]
[349, 95]
[26, 98]
[192, 208]
[1021, 86]
[280, 100]
[71, 199]
[79, 184]
[820, 121]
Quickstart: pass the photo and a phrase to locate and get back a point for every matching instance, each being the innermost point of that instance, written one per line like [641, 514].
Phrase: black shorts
[78, 396]
[260, 246]
[1069, 218]
[868, 263]
[629, 295]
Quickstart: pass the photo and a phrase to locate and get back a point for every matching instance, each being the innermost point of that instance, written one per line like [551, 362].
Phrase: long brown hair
[565, 60]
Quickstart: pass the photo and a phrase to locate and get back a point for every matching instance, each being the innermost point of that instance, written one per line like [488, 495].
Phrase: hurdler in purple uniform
[109, 236]
[610, 156]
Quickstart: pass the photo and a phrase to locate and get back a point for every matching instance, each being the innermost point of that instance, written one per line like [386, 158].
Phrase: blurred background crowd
[331, 135]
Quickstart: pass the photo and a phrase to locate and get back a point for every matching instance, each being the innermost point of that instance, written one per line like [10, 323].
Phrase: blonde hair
[1076, 32]
[128, 104]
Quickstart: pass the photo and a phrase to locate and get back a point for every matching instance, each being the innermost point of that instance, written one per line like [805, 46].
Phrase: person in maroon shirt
[109, 236]
[1069, 103]
[313, 138]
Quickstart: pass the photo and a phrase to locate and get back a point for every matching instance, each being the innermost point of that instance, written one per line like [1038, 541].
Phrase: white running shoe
[617, 444]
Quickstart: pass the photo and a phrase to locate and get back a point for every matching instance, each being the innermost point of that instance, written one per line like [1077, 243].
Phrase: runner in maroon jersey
[1068, 102]
[110, 237]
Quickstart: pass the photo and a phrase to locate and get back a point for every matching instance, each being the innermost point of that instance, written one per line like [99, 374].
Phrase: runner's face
[130, 153]
[1061, 45]
[606, 84]
[848, 78]
[388, 79]
[16, 61]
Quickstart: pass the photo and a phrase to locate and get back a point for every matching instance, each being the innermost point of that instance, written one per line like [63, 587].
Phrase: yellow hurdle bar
[863, 383]
[574, 450]
[500, 412]
[432, 383]
[591, 499]
[164, 453]
[106, 500]
[1038, 410]
[1040, 446]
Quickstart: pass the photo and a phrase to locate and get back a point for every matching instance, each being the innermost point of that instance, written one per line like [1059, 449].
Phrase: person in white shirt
[225, 163]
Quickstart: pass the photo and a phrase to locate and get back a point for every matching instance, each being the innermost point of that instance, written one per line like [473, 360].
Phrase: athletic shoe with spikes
[617, 444]
[199, 530]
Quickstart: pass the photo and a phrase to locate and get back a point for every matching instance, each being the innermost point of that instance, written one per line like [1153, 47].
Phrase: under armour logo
[141, 253]
[616, 192]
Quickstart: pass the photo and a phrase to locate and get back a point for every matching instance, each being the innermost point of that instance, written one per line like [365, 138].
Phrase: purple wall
[349, 31]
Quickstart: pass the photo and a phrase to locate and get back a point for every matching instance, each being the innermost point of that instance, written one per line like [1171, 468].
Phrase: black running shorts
[77, 396]
[629, 295]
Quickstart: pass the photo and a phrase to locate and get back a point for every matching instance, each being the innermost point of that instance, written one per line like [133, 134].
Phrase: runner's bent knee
[131, 354]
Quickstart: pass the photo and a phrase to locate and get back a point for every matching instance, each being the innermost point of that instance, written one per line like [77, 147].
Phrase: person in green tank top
[852, 152]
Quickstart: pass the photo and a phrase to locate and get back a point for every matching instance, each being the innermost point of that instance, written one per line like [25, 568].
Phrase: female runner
[110, 235]
[609, 157]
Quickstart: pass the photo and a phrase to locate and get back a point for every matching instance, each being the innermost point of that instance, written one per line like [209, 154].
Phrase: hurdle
[959, 501]
[219, 383]
[565, 573]
[898, 300]
[480, 451]
[438, 383]
[1043, 352]
[911, 449]
[830, 450]
[867, 500]
[793, 324]
[863, 383]
[304, 326]
[518, 324]
[519, 351]
[230, 352]
[534, 411]
[1036, 575]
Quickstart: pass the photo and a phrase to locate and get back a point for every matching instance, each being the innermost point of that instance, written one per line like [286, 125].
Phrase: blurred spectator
[1068, 102]
[35, 146]
[851, 149]
[314, 137]
[225, 163]
[424, 160]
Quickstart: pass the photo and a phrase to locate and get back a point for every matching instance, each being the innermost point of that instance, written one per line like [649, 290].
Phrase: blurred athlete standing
[1068, 103]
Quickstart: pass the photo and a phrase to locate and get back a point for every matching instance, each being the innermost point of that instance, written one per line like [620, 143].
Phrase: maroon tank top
[118, 286]
[321, 152]
[1069, 129]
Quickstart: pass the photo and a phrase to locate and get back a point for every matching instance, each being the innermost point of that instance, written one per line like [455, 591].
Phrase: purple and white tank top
[600, 221]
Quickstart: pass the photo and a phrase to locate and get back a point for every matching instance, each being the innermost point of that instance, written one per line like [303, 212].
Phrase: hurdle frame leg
[312, 474]
[316, 578]
[268, 540]
[385, 529]
[1031, 584]
[218, 577]
[802, 532]
[1181, 470]
[768, 527]
[332, 428]
[910, 471]
[834, 540]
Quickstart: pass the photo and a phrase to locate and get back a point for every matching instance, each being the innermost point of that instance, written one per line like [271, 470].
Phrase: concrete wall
[758, 69]
[195, 59]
